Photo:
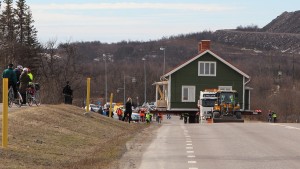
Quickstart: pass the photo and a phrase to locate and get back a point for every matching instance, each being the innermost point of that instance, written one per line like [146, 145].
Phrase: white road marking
[286, 126]
[190, 151]
[188, 141]
[193, 168]
[187, 136]
[191, 156]
[192, 162]
[189, 144]
[189, 147]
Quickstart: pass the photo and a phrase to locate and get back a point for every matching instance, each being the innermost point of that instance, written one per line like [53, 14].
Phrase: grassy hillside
[61, 136]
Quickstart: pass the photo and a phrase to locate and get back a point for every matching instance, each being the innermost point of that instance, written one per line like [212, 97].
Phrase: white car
[93, 108]
[134, 116]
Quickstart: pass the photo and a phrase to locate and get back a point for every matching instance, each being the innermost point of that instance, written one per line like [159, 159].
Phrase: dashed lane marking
[190, 151]
[191, 156]
[192, 162]
[189, 148]
[189, 144]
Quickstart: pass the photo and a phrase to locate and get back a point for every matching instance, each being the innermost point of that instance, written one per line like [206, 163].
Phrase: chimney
[203, 46]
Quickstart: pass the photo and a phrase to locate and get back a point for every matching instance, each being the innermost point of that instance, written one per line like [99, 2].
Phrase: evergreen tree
[20, 20]
[8, 32]
[30, 31]
[8, 21]
[1, 33]
[26, 36]
[30, 41]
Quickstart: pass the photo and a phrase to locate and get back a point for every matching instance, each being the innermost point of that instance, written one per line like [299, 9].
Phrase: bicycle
[33, 95]
[11, 98]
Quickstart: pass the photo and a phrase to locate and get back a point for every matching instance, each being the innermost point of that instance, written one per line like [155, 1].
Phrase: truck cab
[206, 102]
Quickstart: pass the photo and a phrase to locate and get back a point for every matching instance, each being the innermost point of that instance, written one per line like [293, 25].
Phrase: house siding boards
[188, 75]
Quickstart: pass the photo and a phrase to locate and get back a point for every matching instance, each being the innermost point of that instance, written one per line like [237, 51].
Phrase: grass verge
[61, 136]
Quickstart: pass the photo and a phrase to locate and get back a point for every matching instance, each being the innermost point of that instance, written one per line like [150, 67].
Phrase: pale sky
[130, 20]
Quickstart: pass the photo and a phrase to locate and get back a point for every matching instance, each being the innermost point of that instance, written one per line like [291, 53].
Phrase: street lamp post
[164, 49]
[105, 58]
[145, 77]
[133, 80]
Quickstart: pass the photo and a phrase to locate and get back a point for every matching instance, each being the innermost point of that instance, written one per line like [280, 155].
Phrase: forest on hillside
[271, 59]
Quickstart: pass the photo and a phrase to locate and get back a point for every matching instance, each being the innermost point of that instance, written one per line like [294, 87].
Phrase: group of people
[145, 116]
[19, 78]
[272, 116]
[126, 115]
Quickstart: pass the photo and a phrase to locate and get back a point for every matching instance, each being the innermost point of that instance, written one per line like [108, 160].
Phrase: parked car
[134, 116]
[93, 108]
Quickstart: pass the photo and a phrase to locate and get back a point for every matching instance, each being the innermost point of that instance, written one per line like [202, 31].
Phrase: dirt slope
[61, 136]
[287, 22]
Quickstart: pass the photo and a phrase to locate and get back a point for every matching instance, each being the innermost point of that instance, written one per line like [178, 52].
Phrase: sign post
[5, 113]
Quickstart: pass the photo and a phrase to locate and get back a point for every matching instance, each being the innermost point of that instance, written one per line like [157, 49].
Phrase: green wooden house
[182, 85]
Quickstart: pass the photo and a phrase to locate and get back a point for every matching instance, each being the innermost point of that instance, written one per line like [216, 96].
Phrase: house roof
[201, 54]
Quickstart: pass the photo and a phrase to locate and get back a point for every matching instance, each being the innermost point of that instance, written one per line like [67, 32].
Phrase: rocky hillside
[281, 35]
[280, 42]
[287, 22]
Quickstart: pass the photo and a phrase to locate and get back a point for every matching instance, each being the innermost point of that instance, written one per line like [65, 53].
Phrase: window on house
[207, 69]
[188, 94]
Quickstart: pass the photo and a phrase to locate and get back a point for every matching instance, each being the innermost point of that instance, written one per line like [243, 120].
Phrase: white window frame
[225, 88]
[205, 63]
[191, 93]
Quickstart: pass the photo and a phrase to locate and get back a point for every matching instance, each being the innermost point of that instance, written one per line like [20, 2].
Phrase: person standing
[159, 117]
[270, 116]
[148, 117]
[30, 74]
[68, 93]
[197, 117]
[12, 78]
[142, 114]
[128, 108]
[119, 113]
[185, 116]
[24, 82]
[274, 115]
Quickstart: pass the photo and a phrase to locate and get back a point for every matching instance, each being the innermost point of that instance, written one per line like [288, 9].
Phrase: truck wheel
[216, 114]
[238, 115]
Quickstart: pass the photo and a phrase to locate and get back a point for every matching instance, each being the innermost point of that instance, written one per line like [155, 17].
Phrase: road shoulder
[135, 148]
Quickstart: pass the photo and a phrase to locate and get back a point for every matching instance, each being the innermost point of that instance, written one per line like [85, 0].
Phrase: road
[223, 146]
[13, 108]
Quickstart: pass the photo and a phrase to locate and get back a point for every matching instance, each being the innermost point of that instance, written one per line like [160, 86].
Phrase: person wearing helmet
[18, 70]
[24, 82]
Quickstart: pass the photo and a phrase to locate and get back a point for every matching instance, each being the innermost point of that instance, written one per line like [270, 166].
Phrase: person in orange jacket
[120, 113]
[159, 117]
[142, 115]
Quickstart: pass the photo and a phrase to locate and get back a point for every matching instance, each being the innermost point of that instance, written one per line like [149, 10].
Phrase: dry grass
[60, 136]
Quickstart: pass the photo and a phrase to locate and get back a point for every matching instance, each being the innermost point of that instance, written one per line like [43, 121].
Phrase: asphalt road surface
[223, 146]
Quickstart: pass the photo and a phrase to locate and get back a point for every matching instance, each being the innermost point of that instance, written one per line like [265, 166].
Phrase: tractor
[227, 107]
